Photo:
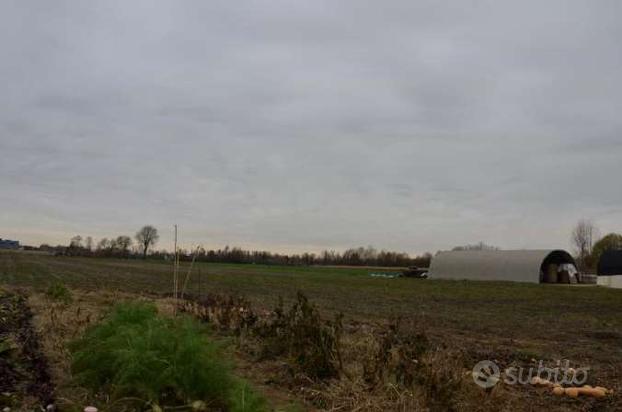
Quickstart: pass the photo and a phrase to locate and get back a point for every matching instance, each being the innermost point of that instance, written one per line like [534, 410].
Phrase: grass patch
[136, 355]
[59, 292]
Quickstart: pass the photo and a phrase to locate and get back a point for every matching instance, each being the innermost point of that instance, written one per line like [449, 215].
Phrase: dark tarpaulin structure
[610, 263]
[609, 269]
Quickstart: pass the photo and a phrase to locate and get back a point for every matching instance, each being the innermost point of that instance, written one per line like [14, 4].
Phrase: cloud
[297, 125]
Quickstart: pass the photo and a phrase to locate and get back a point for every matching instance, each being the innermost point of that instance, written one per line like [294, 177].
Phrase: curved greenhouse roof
[508, 265]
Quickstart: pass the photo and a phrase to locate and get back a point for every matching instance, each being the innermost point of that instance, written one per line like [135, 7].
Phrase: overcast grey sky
[303, 125]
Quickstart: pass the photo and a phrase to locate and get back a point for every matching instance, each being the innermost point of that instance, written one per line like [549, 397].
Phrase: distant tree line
[361, 256]
[125, 247]
[588, 249]
[475, 246]
[121, 246]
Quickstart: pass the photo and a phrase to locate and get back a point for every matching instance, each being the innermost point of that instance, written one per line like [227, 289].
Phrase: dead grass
[393, 366]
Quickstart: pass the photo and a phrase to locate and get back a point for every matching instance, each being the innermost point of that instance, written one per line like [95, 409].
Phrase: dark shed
[610, 263]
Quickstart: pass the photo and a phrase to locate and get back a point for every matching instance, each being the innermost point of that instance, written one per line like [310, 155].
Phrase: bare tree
[76, 242]
[583, 238]
[123, 243]
[146, 237]
[89, 243]
[103, 244]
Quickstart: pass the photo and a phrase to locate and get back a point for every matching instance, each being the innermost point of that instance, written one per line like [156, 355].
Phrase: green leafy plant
[59, 292]
[134, 353]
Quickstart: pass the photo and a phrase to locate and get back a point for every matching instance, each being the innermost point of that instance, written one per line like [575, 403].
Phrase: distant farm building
[9, 244]
[609, 269]
[534, 266]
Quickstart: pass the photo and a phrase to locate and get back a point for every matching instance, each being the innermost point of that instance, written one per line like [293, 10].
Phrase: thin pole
[200, 282]
[183, 289]
[175, 269]
[206, 273]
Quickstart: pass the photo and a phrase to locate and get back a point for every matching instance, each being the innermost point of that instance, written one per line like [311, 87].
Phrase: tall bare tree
[147, 237]
[89, 243]
[583, 239]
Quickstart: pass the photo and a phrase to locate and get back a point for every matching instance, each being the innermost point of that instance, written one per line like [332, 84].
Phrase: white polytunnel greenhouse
[534, 266]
